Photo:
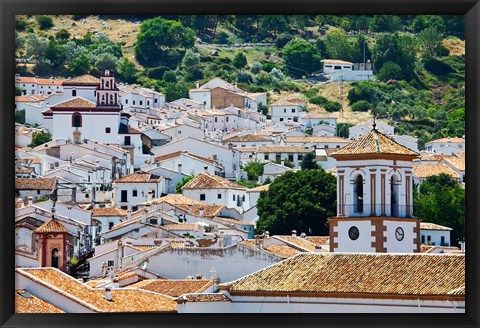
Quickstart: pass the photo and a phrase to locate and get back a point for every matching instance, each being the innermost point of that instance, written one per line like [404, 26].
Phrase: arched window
[107, 84]
[358, 194]
[111, 99]
[74, 93]
[394, 185]
[55, 258]
[77, 120]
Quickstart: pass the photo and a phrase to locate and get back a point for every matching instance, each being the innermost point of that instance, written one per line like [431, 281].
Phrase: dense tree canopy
[301, 57]
[301, 201]
[40, 137]
[442, 201]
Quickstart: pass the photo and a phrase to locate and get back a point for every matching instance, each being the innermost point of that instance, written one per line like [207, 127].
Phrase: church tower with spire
[374, 197]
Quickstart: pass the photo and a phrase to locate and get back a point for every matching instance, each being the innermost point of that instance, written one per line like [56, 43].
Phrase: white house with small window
[340, 70]
[213, 189]
[284, 111]
[279, 154]
[446, 146]
[434, 234]
[136, 188]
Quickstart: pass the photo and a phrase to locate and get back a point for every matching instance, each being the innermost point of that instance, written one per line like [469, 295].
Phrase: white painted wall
[404, 246]
[435, 237]
[362, 244]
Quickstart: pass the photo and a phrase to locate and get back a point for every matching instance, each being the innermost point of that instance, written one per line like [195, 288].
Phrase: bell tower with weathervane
[374, 197]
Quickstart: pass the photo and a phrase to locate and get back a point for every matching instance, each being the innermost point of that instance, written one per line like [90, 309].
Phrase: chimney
[77, 136]
[201, 212]
[108, 295]
[199, 276]
[129, 214]
[144, 217]
[115, 282]
[30, 200]
[303, 235]
[294, 233]
[282, 161]
[150, 195]
[197, 85]
[179, 165]
[267, 234]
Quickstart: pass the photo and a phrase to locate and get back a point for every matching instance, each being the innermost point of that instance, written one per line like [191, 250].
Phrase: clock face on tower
[353, 233]
[399, 234]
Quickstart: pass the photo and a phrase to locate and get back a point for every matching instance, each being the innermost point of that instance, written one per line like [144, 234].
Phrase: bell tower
[52, 244]
[374, 197]
[107, 91]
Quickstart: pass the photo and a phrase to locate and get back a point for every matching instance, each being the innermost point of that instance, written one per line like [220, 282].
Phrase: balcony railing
[388, 210]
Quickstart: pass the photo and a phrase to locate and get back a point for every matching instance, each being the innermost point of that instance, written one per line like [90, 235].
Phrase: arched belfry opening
[394, 195]
[55, 258]
[358, 194]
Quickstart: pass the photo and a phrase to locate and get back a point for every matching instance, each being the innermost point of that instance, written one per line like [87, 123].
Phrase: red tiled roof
[139, 177]
[52, 226]
[35, 183]
[75, 103]
[177, 287]
[208, 181]
[28, 303]
[86, 79]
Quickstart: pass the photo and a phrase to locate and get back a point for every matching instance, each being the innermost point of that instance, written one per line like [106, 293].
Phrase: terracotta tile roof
[430, 157]
[283, 251]
[284, 149]
[231, 221]
[49, 82]
[285, 102]
[35, 184]
[315, 140]
[109, 212]
[374, 143]
[139, 177]
[95, 283]
[25, 99]
[459, 155]
[124, 300]
[188, 204]
[357, 274]
[209, 181]
[298, 242]
[248, 138]
[77, 102]
[202, 298]
[261, 188]
[245, 149]
[432, 226]
[177, 287]
[52, 226]
[175, 199]
[456, 162]
[318, 240]
[86, 79]
[176, 154]
[28, 303]
[336, 61]
[447, 140]
[25, 79]
[181, 227]
[426, 170]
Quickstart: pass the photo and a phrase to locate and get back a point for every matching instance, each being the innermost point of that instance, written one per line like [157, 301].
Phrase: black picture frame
[10, 8]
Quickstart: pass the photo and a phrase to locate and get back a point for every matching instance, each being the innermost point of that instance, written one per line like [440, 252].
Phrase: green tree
[301, 57]
[240, 60]
[35, 46]
[20, 116]
[390, 70]
[256, 67]
[385, 23]
[80, 65]
[338, 45]
[309, 162]
[274, 23]
[180, 184]
[63, 34]
[127, 70]
[55, 53]
[157, 35]
[44, 22]
[20, 24]
[106, 61]
[174, 91]
[190, 59]
[40, 137]
[342, 130]
[301, 201]
[430, 42]
[442, 201]
[254, 170]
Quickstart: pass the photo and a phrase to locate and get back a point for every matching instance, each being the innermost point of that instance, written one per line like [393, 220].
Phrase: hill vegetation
[418, 60]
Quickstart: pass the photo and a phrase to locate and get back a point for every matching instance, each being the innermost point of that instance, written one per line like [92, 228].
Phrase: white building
[136, 188]
[293, 154]
[137, 96]
[434, 234]
[293, 286]
[339, 70]
[213, 189]
[374, 197]
[285, 110]
[361, 129]
[38, 86]
[272, 171]
[446, 146]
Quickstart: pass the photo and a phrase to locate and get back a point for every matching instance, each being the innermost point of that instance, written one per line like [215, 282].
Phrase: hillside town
[228, 201]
